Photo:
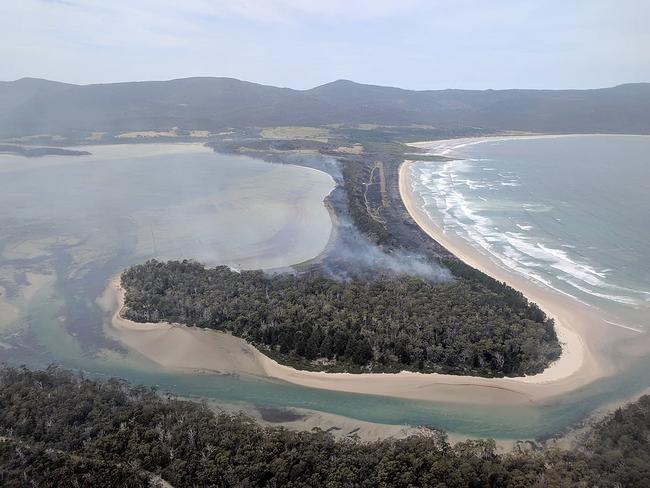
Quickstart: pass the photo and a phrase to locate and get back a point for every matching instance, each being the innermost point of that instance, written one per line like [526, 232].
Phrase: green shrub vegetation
[387, 323]
[58, 429]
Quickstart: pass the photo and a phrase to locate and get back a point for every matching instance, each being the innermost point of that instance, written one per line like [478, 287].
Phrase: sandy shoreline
[178, 347]
[581, 330]
[190, 349]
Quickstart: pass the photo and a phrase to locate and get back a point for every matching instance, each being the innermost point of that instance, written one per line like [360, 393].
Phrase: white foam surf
[448, 191]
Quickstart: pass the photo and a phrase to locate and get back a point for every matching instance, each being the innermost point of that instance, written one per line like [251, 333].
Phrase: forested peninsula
[37, 152]
[385, 323]
[59, 429]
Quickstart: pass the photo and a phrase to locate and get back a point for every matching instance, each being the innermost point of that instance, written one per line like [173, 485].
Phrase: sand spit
[179, 347]
[581, 329]
[191, 349]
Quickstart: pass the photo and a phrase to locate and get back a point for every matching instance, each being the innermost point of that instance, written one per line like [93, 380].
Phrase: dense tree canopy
[389, 323]
[57, 429]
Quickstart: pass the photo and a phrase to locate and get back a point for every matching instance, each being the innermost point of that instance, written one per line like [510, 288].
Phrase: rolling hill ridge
[35, 106]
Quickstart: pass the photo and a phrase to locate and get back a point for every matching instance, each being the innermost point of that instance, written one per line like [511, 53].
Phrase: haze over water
[569, 212]
[68, 224]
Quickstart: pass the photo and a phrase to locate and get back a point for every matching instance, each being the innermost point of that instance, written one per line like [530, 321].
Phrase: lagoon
[68, 224]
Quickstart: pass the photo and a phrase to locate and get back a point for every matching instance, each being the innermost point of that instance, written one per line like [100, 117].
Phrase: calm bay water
[68, 224]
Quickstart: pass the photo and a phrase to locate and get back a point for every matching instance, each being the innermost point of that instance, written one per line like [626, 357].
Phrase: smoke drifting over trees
[355, 256]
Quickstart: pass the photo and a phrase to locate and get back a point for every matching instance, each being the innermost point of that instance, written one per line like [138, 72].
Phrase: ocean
[68, 224]
[569, 212]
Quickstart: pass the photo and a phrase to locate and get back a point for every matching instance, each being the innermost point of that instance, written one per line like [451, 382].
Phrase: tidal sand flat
[576, 366]
[88, 217]
[108, 200]
[179, 347]
[176, 346]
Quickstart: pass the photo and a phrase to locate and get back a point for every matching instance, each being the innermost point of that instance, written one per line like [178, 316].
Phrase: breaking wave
[455, 191]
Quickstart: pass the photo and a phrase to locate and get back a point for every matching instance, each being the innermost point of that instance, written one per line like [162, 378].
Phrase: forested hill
[33, 106]
[57, 429]
[388, 323]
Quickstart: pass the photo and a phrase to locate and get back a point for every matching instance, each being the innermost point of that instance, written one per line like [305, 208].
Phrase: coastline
[583, 330]
[194, 350]
[174, 346]
[201, 351]
[580, 328]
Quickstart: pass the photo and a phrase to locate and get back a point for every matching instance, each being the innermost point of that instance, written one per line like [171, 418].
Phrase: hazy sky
[303, 43]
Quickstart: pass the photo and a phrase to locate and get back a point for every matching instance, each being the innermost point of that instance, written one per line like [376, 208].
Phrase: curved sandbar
[176, 346]
[192, 349]
[581, 329]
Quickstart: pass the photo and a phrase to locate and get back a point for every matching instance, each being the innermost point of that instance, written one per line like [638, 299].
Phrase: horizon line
[337, 81]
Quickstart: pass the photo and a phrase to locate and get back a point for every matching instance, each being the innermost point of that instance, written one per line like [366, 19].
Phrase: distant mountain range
[35, 106]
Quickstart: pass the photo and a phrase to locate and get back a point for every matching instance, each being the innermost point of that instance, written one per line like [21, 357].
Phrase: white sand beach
[582, 330]
[190, 349]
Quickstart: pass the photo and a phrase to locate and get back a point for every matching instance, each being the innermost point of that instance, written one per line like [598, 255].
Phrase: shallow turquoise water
[88, 220]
